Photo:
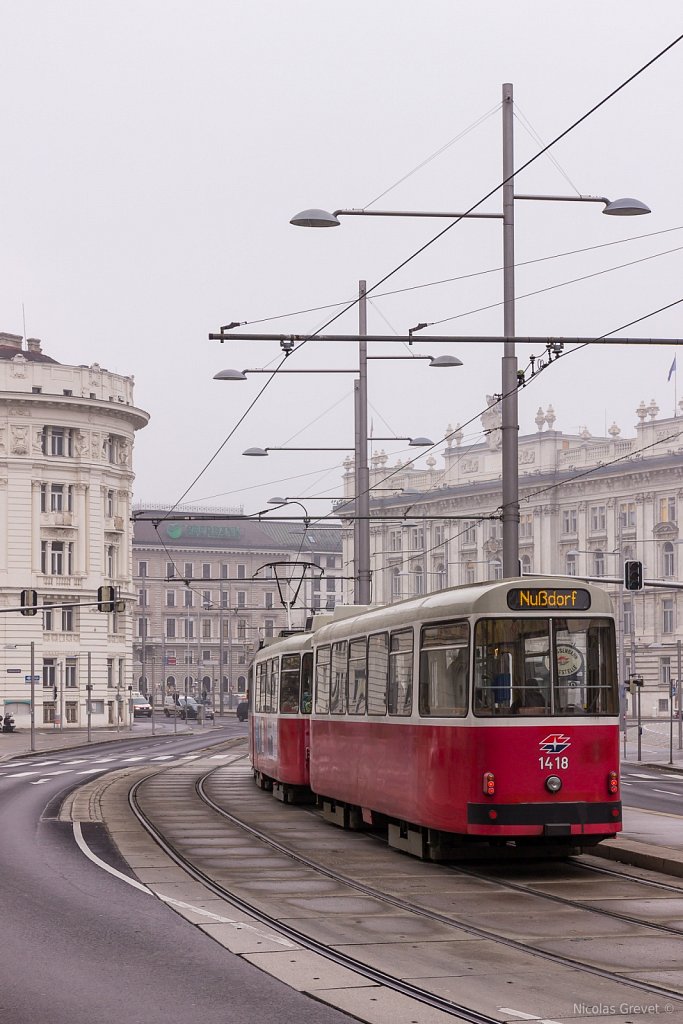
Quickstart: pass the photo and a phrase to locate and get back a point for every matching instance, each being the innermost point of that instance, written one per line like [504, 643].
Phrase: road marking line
[37, 782]
[667, 792]
[91, 771]
[61, 771]
[20, 775]
[84, 848]
[78, 760]
[216, 918]
[526, 1016]
[162, 757]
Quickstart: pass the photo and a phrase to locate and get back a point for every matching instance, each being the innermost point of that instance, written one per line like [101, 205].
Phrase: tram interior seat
[530, 701]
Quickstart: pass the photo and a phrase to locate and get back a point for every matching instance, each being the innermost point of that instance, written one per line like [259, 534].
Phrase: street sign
[31, 679]
[170, 661]
[14, 671]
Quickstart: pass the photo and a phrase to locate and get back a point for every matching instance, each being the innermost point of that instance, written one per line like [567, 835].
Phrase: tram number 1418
[553, 762]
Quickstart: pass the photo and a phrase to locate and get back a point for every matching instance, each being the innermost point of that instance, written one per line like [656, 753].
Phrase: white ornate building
[587, 505]
[66, 444]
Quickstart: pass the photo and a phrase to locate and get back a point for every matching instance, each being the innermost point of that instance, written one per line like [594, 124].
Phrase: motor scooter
[8, 724]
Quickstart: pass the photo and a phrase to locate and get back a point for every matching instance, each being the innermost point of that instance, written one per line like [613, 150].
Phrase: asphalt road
[79, 946]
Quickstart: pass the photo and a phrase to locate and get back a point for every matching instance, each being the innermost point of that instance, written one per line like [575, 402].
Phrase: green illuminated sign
[207, 530]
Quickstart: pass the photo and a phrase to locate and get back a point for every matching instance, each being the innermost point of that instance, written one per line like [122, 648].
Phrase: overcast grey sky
[154, 151]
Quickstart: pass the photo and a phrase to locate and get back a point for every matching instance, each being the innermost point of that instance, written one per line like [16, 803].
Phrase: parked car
[141, 707]
[242, 710]
[179, 704]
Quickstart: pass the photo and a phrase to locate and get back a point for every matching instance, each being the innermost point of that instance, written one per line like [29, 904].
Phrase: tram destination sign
[566, 599]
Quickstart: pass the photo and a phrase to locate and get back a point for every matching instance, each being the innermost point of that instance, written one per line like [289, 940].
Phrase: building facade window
[395, 540]
[570, 563]
[170, 629]
[57, 442]
[526, 525]
[206, 570]
[667, 615]
[56, 558]
[49, 672]
[599, 563]
[417, 538]
[569, 520]
[188, 598]
[629, 621]
[56, 497]
[170, 598]
[598, 518]
[666, 510]
[668, 567]
[170, 570]
[469, 533]
[142, 569]
[627, 514]
[71, 673]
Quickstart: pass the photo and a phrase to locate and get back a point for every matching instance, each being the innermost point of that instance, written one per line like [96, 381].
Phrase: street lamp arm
[413, 213]
[615, 208]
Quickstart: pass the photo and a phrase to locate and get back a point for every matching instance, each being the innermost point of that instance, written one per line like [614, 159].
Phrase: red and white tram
[481, 714]
[280, 688]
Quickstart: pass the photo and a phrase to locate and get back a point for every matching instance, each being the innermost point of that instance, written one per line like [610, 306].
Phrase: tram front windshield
[544, 666]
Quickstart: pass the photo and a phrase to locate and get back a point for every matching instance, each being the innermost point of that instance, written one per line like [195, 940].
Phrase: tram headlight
[489, 783]
[612, 782]
[553, 783]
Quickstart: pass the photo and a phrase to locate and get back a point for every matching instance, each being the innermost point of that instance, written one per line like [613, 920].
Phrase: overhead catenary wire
[440, 234]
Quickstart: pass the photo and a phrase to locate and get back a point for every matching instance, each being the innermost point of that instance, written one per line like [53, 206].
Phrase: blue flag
[672, 370]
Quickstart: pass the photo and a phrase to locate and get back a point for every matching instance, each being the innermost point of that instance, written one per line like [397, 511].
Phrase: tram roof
[474, 599]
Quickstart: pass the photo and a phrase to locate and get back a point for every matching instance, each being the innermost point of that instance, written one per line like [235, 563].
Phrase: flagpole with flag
[672, 372]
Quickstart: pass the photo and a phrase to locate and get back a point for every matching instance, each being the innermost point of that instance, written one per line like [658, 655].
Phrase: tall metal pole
[509, 407]
[33, 696]
[220, 652]
[679, 682]
[362, 476]
[88, 690]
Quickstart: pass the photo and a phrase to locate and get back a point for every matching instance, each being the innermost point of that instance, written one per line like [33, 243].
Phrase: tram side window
[358, 677]
[260, 686]
[338, 680]
[306, 683]
[378, 673]
[272, 686]
[444, 670]
[322, 680]
[289, 684]
[586, 677]
[401, 673]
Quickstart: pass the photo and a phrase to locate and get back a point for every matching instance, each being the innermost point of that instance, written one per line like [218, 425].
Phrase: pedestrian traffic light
[29, 602]
[106, 599]
[633, 575]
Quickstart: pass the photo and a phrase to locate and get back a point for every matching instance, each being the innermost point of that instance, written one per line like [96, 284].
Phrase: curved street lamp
[626, 207]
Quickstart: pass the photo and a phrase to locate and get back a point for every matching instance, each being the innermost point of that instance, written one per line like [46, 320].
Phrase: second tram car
[480, 714]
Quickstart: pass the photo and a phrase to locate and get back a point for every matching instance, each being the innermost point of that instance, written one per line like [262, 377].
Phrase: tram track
[178, 848]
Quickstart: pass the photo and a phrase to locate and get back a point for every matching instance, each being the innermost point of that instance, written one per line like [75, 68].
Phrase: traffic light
[29, 602]
[633, 575]
[106, 599]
